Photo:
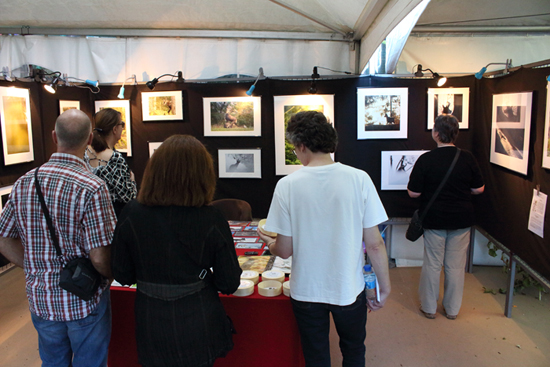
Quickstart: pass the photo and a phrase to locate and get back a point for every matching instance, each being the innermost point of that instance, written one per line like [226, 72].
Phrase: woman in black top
[167, 242]
[448, 221]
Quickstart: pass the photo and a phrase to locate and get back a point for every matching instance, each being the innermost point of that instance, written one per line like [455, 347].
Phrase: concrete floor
[397, 336]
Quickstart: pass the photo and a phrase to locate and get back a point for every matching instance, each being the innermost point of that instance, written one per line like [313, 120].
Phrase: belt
[169, 292]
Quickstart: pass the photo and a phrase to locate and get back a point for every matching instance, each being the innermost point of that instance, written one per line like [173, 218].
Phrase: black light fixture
[441, 80]
[152, 83]
[313, 87]
[52, 88]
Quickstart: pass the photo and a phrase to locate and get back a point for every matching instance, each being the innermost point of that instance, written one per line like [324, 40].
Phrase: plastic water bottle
[370, 282]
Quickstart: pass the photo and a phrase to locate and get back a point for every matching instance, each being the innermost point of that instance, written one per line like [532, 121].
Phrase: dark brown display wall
[502, 209]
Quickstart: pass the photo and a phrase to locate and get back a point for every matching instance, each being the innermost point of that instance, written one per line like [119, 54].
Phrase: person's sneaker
[430, 316]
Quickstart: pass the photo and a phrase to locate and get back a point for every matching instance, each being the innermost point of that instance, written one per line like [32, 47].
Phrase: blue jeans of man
[84, 342]
[314, 325]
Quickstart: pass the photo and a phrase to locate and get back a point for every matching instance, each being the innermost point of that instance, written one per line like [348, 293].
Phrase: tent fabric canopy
[238, 36]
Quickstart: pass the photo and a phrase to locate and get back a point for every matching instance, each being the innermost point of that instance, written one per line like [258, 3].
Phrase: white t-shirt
[324, 209]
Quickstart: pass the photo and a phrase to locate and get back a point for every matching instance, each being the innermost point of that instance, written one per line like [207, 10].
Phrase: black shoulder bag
[415, 229]
[79, 275]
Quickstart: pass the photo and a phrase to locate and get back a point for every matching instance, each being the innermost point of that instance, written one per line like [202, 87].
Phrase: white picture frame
[285, 107]
[397, 166]
[232, 116]
[153, 145]
[240, 163]
[382, 113]
[546, 139]
[124, 145]
[510, 130]
[455, 99]
[15, 118]
[162, 106]
[4, 194]
[68, 105]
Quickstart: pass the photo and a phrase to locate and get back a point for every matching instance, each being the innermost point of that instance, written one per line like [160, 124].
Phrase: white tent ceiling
[361, 23]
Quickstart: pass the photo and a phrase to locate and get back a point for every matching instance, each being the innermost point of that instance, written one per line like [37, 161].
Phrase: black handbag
[79, 276]
[415, 229]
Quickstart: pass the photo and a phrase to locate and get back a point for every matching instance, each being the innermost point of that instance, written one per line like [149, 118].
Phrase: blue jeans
[84, 342]
[314, 326]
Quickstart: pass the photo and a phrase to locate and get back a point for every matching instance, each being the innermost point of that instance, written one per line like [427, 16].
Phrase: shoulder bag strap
[441, 184]
[46, 213]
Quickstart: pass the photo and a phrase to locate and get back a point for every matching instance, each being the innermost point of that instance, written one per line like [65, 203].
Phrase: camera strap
[47, 214]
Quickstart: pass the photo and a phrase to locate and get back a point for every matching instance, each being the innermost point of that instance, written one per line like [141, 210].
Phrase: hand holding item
[266, 236]
[375, 305]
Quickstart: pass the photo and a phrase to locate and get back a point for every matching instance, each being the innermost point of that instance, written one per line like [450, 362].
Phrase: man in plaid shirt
[70, 330]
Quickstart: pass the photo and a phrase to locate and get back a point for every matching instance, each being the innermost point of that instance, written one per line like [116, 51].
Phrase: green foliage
[523, 279]
[290, 157]
[243, 112]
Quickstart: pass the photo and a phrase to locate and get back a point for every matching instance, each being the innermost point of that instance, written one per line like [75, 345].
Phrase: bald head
[72, 129]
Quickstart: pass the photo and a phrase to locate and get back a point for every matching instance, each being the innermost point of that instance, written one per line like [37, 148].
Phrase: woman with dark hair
[448, 221]
[167, 242]
[107, 163]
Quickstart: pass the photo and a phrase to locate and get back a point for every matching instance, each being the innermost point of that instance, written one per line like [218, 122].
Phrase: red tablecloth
[267, 334]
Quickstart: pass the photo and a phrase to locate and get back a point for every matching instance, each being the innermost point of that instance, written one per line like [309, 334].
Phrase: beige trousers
[446, 248]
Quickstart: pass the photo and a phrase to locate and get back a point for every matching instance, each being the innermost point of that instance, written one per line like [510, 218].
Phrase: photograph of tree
[232, 116]
[381, 113]
[285, 107]
[15, 118]
[238, 116]
[510, 130]
[290, 157]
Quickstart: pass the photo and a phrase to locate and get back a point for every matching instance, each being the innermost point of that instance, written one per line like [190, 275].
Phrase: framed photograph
[153, 146]
[240, 163]
[124, 145]
[68, 105]
[15, 118]
[382, 113]
[546, 140]
[232, 116]
[162, 106]
[285, 107]
[510, 130]
[454, 101]
[4, 196]
[397, 167]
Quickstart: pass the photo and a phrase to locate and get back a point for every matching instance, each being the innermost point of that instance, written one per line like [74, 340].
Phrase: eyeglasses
[294, 152]
[121, 124]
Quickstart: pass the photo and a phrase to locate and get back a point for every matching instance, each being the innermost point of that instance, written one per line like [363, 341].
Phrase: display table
[267, 334]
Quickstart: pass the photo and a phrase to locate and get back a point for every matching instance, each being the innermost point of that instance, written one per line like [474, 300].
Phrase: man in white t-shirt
[322, 214]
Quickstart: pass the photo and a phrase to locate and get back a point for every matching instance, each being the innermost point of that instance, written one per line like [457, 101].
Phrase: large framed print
[546, 140]
[454, 101]
[162, 106]
[232, 116]
[382, 113]
[240, 163]
[68, 105]
[124, 145]
[510, 130]
[397, 167]
[15, 118]
[4, 196]
[285, 107]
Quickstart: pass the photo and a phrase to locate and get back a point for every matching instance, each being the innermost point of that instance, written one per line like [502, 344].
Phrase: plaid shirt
[84, 219]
